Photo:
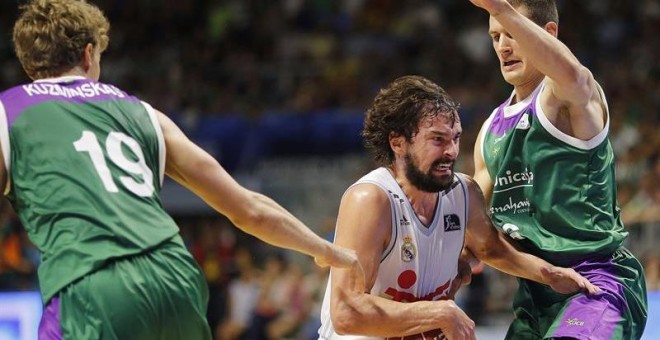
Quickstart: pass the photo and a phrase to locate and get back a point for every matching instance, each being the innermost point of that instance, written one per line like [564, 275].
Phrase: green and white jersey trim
[568, 139]
[153, 116]
[6, 147]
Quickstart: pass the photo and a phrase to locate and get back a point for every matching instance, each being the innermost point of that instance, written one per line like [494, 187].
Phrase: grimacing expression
[514, 67]
[427, 181]
[437, 141]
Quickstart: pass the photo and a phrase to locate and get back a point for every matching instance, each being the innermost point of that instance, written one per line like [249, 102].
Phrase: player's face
[431, 155]
[513, 65]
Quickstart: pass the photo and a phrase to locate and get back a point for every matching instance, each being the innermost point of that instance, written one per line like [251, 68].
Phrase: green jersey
[85, 163]
[554, 193]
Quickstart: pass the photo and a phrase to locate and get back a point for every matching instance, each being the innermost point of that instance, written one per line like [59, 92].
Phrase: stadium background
[276, 91]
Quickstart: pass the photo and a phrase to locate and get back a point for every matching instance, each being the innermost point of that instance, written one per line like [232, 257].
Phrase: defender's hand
[341, 257]
[492, 6]
[458, 326]
[464, 277]
[567, 281]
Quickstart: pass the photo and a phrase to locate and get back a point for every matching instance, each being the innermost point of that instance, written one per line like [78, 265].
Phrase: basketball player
[409, 221]
[83, 164]
[544, 161]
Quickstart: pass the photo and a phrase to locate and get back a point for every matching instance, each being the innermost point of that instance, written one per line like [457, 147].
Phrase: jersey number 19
[113, 144]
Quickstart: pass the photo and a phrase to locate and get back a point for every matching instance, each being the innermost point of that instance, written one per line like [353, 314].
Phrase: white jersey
[421, 260]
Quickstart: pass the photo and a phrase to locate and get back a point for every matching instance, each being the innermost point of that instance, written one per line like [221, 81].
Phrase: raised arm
[492, 247]
[570, 86]
[252, 212]
[364, 223]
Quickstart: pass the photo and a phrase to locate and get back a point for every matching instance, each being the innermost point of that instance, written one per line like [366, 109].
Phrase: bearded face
[438, 177]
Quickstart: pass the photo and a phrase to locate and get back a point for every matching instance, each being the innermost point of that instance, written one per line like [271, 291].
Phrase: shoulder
[471, 186]
[365, 193]
[466, 180]
[12, 92]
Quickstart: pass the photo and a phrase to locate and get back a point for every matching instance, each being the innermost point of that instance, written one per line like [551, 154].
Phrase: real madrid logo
[408, 251]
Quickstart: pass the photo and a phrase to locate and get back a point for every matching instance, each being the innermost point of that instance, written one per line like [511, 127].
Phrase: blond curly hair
[51, 35]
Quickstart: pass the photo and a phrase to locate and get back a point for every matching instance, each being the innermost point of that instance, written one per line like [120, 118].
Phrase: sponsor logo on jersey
[452, 222]
[408, 250]
[574, 322]
[523, 123]
[513, 179]
[513, 231]
[440, 293]
[499, 139]
[517, 207]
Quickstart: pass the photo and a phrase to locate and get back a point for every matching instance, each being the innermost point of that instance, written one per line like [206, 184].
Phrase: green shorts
[161, 294]
[619, 312]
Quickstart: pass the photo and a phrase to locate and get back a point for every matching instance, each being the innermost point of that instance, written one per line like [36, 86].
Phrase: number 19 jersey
[85, 164]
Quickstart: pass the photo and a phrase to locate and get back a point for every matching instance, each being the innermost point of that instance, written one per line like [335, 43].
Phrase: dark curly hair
[399, 108]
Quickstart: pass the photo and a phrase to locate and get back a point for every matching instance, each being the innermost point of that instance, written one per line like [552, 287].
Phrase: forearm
[277, 226]
[504, 257]
[368, 315]
[250, 211]
[547, 53]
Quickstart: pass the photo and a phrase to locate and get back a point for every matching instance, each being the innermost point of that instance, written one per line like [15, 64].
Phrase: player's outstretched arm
[364, 223]
[541, 47]
[570, 86]
[491, 246]
[250, 211]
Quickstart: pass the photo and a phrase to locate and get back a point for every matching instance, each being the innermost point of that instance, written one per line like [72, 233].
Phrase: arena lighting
[20, 313]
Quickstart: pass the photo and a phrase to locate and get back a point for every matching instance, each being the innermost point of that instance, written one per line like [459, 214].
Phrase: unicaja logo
[514, 178]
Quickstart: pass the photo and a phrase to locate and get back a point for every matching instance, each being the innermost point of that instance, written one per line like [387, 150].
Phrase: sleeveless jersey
[420, 261]
[554, 193]
[85, 163]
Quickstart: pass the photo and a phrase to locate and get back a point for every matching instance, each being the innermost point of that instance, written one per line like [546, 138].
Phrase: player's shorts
[161, 294]
[619, 312]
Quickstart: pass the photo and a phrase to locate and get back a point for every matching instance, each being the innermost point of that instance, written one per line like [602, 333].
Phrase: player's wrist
[548, 273]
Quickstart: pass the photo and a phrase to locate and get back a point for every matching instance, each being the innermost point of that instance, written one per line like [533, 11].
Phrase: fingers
[341, 257]
[591, 288]
[357, 278]
[464, 272]
[585, 285]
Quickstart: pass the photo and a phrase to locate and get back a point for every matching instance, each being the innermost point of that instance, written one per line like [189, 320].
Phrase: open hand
[567, 281]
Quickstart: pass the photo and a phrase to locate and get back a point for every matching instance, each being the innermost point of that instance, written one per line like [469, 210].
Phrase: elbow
[581, 82]
[344, 323]
[488, 253]
[345, 318]
[251, 217]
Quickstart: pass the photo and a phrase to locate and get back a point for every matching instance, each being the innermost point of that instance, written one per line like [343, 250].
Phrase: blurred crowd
[298, 57]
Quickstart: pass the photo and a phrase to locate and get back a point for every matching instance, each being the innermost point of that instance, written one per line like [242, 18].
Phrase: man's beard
[426, 181]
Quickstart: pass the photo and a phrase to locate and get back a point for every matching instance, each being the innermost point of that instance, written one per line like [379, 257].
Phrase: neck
[423, 202]
[76, 71]
[523, 91]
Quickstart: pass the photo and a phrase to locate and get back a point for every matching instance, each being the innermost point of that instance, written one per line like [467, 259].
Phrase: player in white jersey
[410, 222]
